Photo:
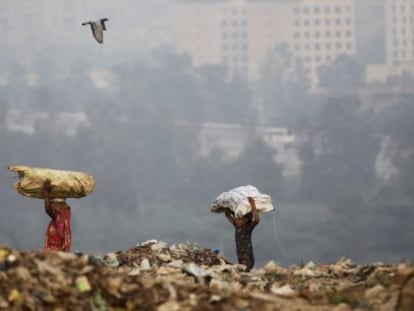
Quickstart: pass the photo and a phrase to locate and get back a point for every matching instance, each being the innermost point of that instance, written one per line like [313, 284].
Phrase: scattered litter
[155, 276]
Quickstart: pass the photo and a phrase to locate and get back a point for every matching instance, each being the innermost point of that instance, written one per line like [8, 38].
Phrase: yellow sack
[65, 184]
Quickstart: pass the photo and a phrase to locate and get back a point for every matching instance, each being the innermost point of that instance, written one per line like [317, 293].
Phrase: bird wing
[97, 32]
[102, 21]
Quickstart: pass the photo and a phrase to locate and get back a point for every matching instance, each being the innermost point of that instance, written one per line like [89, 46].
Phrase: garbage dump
[155, 276]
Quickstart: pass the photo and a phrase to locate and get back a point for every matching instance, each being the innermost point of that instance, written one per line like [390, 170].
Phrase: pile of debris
[153, 276]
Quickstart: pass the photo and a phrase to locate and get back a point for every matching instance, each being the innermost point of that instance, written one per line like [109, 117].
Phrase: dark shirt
[244, 246]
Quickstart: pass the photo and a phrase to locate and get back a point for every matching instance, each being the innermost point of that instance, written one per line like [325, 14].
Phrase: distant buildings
[240, 33]
[399, 42]
[400, 32]
[323, 29]
[231, 139]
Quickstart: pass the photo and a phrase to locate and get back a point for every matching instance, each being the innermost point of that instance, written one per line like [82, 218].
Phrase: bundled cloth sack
[65, 184]
[236, 201]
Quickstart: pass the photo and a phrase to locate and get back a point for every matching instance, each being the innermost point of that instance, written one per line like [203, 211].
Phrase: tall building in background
[400, 32]
[240, 33]
[399, 42]
[323, 29]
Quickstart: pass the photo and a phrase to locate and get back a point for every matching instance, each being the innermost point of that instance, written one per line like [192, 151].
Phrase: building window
[318, 59]
[234, 11]
[316, 22]
[328, 33]
[234, 35]
[234, 23]
[244, 23]
[338, 45]
[348, 21]
[348, 33]
[338, 9]
[327, 22]
[306, 22]
[306, 10]
[306, 34]
[338, 21]
[234, 47]
[224, 35]
[297, 35]
[328, 46]
[296, 10]
[349, 46]
[317, 46]
[327, 9]
[338, 34]
[223, 23]
[317, 34]
[316, 10]
[307, 46]
[328, 58]
[224, 47]
[297, 23]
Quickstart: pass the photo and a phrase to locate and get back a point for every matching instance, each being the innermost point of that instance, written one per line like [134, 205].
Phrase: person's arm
[67, 237]
[255, 212]
[230, 217]
[47, 188]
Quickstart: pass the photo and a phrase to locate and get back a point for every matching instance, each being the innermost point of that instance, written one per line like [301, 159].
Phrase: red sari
[58, 233]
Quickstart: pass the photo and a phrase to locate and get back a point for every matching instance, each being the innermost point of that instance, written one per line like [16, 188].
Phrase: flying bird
[97, 28]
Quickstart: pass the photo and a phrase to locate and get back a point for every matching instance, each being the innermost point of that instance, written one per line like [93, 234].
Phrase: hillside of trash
[155, 276]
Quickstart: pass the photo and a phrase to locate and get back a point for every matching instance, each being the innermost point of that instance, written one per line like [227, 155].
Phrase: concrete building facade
[400, 32]
[239, 34]
[323, 29]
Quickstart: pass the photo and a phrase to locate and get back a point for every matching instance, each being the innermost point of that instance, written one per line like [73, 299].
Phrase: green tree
[344, 75]
[396, 122]
[224, 100]
[339, 152]
[282, 90]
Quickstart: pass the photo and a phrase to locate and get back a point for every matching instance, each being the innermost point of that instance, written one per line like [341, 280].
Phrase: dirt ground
[155, 276]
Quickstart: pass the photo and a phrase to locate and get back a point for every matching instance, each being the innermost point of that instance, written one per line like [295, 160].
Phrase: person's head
[245, 220]
[58, 200]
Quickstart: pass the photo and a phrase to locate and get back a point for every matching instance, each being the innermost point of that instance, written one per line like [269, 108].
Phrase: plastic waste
[236, 201]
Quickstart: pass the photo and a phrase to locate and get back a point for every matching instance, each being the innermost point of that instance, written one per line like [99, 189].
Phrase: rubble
[155, 276]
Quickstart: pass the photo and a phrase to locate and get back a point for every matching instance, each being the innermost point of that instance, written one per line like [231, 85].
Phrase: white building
[399, 42]
[239, 34]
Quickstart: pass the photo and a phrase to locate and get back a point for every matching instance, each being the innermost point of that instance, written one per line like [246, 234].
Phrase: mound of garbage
[155, 276]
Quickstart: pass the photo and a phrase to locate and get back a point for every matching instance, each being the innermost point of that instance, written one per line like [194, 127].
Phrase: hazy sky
[47, 35]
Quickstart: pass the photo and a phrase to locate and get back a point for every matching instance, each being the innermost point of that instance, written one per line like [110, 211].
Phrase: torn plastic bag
[236, 201]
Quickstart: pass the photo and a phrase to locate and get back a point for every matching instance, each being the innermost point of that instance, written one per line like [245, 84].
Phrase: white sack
[236, 201]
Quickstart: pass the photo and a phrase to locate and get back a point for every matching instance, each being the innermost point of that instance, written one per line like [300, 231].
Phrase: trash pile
[155, 276]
